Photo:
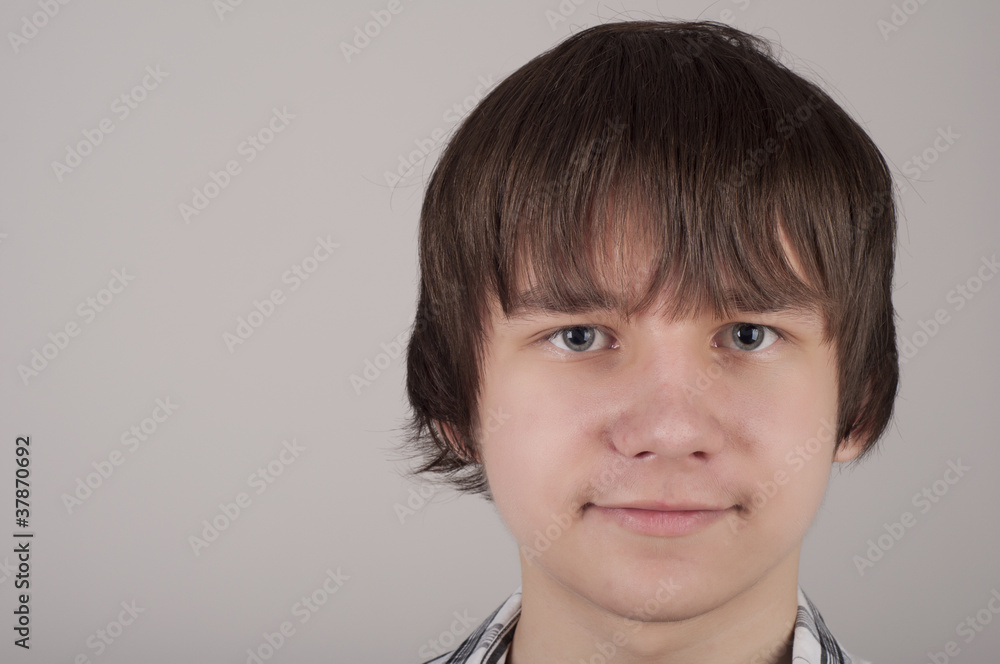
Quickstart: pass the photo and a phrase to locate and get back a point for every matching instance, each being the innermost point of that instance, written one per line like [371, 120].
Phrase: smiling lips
[660, 519]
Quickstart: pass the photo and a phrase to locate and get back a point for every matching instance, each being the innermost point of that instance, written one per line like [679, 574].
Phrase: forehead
[629, 279]
[536, 302]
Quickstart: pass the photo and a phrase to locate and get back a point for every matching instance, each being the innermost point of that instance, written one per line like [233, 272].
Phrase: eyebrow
[539, 301]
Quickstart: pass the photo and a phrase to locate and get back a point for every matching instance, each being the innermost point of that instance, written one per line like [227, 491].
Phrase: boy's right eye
[581, 338]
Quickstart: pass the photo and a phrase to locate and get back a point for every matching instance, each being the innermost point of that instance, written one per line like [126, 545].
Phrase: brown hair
[687, 139]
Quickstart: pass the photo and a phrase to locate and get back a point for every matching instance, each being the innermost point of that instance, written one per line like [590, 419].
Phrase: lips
[658, 519]
[656, 506]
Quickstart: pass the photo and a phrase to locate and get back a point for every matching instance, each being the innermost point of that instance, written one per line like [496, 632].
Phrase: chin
[652, 590]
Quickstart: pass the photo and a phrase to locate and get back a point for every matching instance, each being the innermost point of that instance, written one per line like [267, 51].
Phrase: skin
[658, 411]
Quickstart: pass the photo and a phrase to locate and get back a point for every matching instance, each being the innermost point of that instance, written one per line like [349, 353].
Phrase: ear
[850, 448]
[447, 433]
[860, 434]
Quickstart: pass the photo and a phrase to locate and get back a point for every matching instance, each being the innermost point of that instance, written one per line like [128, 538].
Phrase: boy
[655, 308]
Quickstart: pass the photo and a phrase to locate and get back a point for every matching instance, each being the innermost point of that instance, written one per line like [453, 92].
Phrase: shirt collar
[812, 642]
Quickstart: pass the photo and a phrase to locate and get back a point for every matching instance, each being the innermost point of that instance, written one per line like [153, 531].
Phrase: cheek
[788, 423]
[776, 409]
[535, 461]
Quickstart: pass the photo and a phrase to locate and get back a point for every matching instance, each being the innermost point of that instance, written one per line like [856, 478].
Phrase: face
[634, 452]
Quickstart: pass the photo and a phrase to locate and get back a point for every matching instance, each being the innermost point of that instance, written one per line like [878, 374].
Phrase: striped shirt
[812, 642]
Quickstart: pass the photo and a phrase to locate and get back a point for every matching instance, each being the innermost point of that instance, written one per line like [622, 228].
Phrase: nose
[669, 404]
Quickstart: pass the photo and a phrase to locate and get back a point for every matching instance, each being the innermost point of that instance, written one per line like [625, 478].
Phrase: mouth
[660, 519]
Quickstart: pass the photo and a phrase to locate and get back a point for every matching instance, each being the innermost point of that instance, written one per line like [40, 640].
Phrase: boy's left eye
[580, 338]
[747, 336]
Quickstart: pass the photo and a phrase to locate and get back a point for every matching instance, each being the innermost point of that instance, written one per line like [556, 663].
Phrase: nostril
[698, 455]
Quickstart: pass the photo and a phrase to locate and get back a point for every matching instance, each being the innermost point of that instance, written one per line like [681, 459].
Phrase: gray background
[337, 505]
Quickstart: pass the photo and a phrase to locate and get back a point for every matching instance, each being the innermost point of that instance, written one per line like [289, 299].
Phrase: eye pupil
[579, 338]
[747, 335]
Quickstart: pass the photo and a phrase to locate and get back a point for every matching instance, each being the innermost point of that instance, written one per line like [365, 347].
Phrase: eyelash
[726, 329]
